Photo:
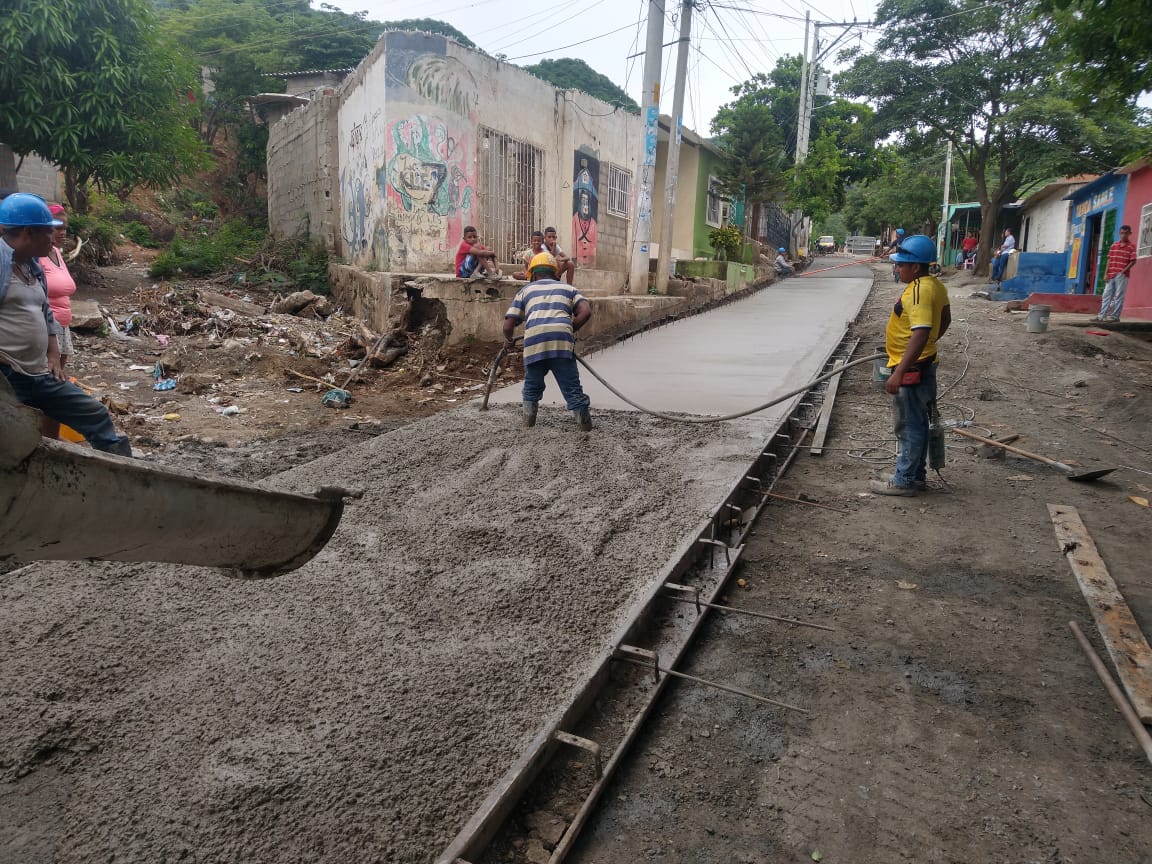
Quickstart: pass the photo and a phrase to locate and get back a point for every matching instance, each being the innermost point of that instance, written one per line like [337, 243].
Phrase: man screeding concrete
[552, 312]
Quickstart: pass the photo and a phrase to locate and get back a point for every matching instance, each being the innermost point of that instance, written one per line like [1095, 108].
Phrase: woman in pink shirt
[61, 287]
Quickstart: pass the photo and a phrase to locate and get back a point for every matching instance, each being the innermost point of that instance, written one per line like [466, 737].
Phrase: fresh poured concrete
[730, 358]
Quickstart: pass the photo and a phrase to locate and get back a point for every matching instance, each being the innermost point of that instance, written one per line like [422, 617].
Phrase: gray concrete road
[730, 358]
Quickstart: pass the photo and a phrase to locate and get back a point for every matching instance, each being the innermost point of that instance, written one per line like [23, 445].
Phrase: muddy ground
[954, 718]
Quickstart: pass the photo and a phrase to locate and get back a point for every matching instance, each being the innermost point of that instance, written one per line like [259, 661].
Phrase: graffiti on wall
[430, 186]
[585, 206]
[362, 204]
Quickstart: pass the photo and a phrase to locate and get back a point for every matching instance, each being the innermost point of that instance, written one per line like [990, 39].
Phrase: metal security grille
[774, 226]
[619, 190]
[510, 183]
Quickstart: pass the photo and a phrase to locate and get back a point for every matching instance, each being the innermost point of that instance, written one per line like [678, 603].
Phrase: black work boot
[529, 409]
[583, 420]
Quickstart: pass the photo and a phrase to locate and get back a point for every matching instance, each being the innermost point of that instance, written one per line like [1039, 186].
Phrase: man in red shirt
[1121, 257]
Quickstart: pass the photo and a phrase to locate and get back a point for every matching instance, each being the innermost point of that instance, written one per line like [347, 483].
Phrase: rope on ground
[758, 408]
[967, 362]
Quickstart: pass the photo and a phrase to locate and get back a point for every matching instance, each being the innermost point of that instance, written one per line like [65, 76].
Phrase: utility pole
[810, 71]
[646, 166]
[804, 120]
[944, 214]
[672, 164]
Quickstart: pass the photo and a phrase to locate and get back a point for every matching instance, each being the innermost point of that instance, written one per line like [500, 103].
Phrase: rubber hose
[755, 410]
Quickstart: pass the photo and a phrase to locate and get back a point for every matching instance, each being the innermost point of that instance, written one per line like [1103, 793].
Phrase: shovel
[1068, 470]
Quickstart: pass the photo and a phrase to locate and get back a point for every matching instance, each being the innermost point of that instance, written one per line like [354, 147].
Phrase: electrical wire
[569, 45]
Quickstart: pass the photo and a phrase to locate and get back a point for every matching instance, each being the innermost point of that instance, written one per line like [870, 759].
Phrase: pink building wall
[1139, 299]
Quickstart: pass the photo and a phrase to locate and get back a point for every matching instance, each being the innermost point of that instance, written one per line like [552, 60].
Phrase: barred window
[619, 190]
[718, 206]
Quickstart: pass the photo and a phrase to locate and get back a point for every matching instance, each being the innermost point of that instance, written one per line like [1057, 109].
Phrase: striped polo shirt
[546, 308]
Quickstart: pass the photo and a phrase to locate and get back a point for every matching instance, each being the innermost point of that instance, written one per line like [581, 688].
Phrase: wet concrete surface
[731, 358]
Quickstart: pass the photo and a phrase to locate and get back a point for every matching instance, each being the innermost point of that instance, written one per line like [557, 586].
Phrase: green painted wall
[709, 165]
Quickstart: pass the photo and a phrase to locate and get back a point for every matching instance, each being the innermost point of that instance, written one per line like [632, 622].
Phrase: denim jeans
[567, 375]
[998, 267]
[1112, 300]
[910, 409]
[64, 402]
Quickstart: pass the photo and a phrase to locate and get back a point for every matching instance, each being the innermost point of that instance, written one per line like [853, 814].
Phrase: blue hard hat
[917, 249]
[24, 209]
[781, 250]
[899, 232]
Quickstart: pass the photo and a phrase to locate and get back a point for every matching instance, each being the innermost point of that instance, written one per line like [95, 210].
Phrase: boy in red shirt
[473, 258]
[1121, 257]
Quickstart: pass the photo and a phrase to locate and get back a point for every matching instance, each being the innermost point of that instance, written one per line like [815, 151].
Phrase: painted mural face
[585, 180]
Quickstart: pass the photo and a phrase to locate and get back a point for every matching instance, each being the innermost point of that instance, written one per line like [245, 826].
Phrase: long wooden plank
[1122, 636]
[826, 408]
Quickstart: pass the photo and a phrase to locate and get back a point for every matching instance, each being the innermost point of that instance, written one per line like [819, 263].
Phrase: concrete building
[35, 175]
[700, 205]
[427, 136]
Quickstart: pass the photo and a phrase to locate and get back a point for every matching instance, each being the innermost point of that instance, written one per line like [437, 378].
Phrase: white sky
[729, 44]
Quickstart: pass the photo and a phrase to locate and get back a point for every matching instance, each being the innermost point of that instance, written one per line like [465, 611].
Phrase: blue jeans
[998, 266]
[910, 417]
[1112, 301]
[567, 375]
[66, 403]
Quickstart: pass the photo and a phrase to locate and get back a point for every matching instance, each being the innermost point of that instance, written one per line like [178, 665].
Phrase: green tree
[1108, 46]
[816, 186]
[758, 129]
[950, 70]
[90, 86]
[429, 25]
[568, 73]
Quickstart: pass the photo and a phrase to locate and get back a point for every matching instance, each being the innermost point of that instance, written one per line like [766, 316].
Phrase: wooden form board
[1118, 628]
[825, 416]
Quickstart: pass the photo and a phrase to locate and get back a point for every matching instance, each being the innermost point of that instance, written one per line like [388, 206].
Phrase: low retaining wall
[475, 308]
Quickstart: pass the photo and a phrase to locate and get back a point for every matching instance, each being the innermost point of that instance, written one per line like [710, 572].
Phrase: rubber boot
[529, 409]
[584, 420]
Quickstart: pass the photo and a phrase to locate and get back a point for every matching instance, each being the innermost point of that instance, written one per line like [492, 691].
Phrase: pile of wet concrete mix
[361, 707]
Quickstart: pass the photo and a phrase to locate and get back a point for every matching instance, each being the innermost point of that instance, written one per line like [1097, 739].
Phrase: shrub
[139, 233]
[726, 241]
[208, 251]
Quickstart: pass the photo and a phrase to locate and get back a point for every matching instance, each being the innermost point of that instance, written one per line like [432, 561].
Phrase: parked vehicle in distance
[826, 244]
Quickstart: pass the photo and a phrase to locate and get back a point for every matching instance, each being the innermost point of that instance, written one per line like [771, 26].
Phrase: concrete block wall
[302, 161]
[35, 175]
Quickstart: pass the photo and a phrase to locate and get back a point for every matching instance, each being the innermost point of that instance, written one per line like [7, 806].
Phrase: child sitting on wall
[473, 258]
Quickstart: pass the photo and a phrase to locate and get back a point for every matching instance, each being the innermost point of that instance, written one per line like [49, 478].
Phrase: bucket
[881, 372]
[1038, 319]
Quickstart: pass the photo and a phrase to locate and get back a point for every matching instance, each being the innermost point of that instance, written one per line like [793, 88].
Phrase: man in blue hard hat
[919, 318]
[29, 351]
[783, 265]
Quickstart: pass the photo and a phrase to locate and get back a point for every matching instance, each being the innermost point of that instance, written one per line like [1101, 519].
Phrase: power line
[569, 45]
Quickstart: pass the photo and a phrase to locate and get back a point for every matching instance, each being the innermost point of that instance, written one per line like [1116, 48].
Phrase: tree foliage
[757, 131]
[90, 86]
[569, 73]
[950, 70]
[1108, 47]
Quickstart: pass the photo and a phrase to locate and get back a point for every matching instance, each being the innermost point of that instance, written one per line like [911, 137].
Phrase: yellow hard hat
[542, 259]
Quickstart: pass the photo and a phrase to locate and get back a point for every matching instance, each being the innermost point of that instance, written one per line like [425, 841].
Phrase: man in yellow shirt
[919, 318]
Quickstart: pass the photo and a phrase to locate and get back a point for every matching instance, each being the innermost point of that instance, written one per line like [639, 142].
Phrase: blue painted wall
[1096, 199]
[1042, 272]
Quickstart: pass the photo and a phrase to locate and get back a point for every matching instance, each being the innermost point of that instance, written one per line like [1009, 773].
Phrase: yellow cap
[542, 259]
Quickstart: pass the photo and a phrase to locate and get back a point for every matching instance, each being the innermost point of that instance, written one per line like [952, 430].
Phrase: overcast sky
[731, 40]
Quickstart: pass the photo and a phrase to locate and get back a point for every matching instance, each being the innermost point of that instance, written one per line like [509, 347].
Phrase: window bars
[510, 186]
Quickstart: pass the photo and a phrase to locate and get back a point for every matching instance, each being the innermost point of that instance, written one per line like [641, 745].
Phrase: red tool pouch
[911, 377]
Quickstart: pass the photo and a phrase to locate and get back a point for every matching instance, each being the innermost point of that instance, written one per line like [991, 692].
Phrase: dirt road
[954, 717]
